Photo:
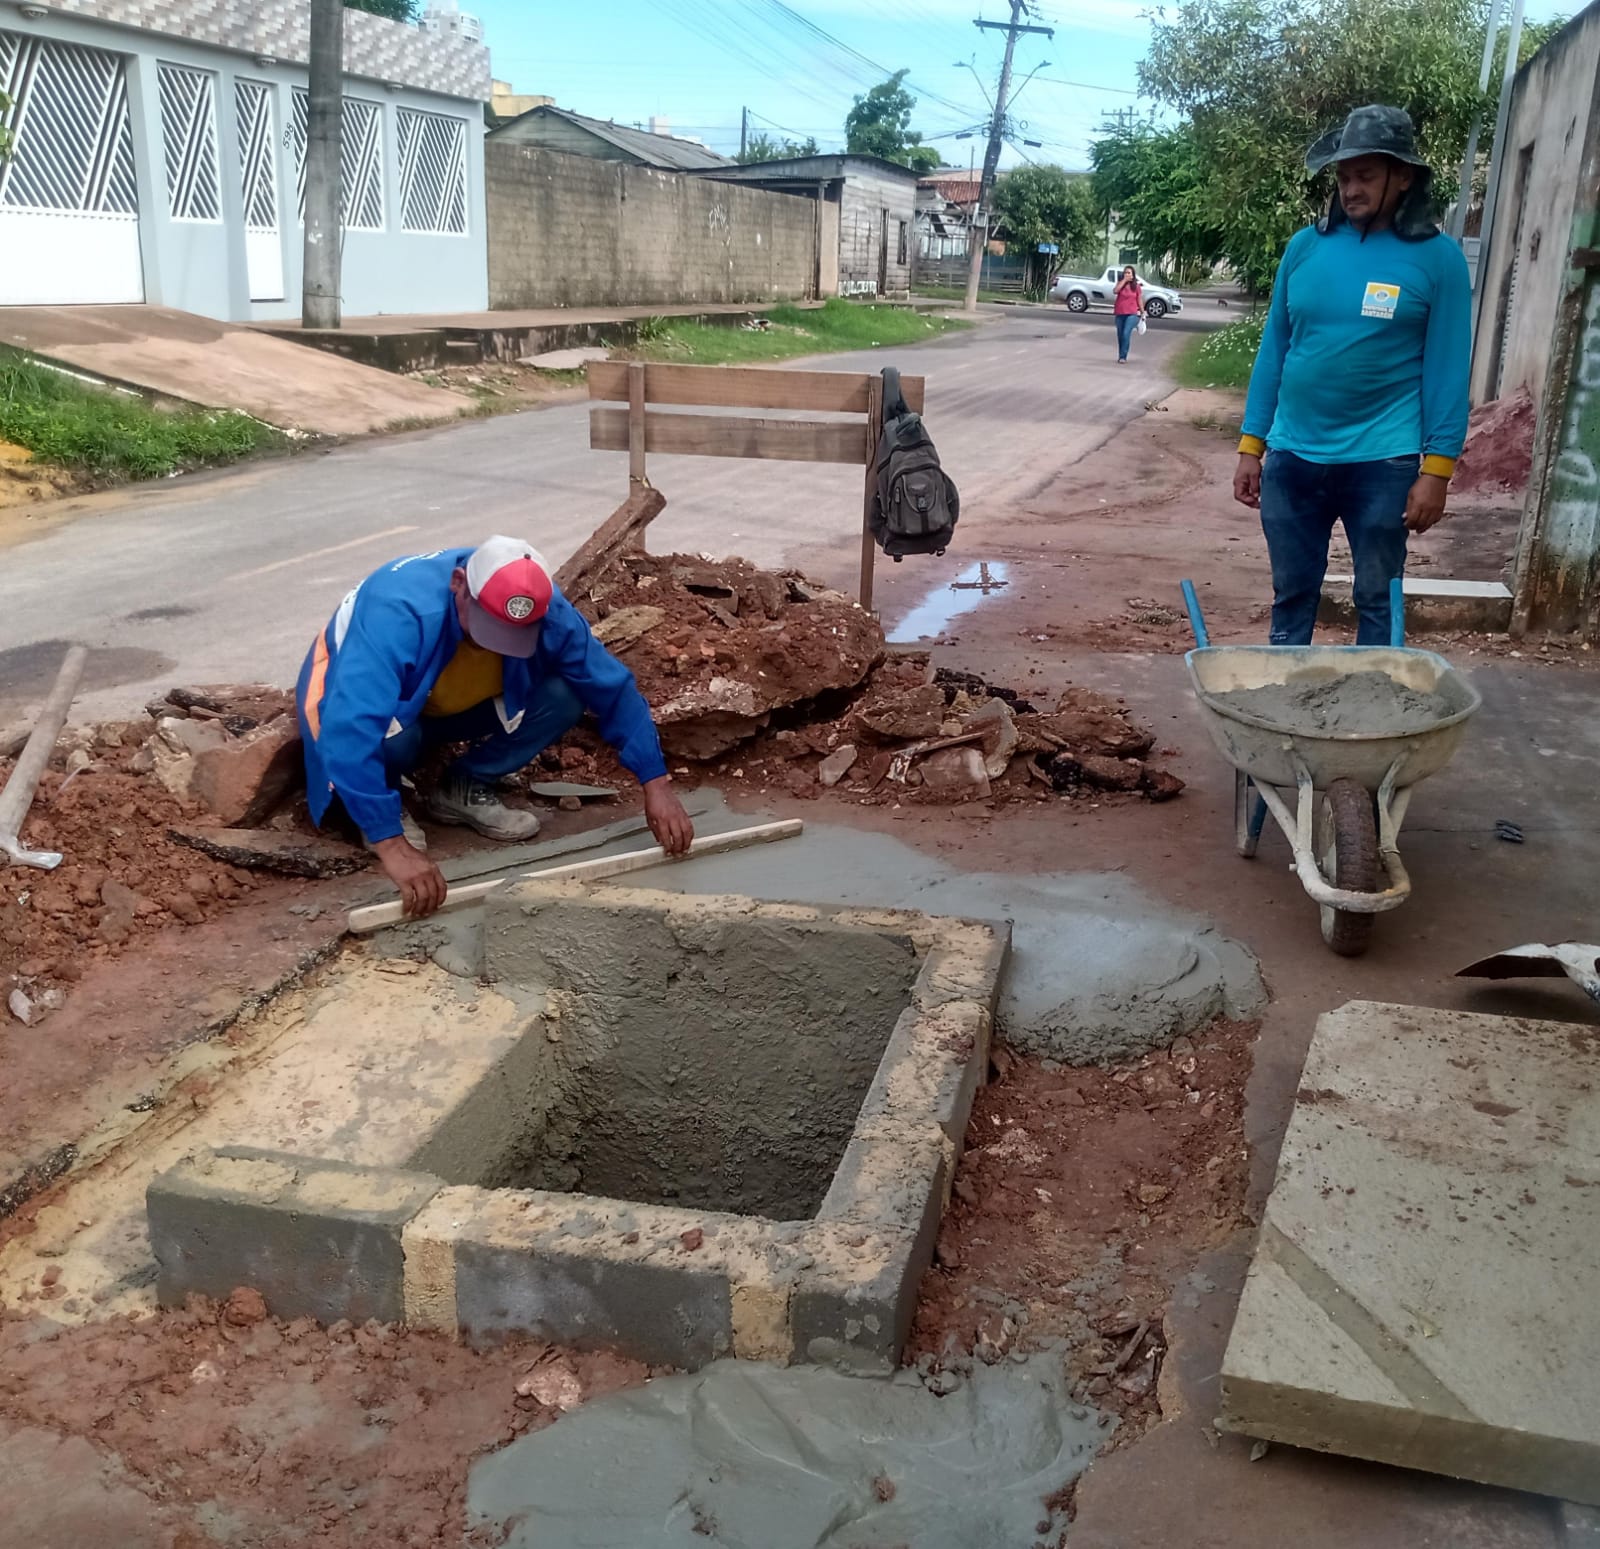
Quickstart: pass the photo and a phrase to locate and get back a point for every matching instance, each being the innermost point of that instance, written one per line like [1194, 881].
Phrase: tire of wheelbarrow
[1348, 809]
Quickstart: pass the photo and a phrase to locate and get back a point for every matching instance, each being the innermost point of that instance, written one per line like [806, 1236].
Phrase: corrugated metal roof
[653, 150]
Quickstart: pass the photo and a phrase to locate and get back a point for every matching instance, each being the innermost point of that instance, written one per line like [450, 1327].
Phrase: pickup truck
[1079, 293]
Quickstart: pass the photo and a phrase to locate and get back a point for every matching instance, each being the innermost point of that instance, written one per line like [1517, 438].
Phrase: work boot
[461, 800]
[411, 829]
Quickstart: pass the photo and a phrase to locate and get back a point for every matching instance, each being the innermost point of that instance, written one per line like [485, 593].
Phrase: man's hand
[664, 813]
[1247, 481]
[421, 883]
[1425, 502]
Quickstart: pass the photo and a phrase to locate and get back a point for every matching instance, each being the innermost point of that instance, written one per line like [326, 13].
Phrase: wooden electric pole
[319, 301]
[997, 129]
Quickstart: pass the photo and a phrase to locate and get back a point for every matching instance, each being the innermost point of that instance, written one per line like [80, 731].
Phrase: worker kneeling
[471, 646]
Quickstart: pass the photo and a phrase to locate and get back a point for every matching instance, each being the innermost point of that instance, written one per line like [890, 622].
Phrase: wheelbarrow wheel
[1249, 815]
[1348, 851]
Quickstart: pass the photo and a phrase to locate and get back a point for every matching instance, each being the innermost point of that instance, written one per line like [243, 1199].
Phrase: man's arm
[1261, 402]
[606, 687]
[356, 715]
[1446, 362]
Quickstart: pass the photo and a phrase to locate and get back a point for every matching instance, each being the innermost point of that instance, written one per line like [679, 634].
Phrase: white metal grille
[253, 105]
[433, 173]
[189, 134]
[360, 160]
[69, 113]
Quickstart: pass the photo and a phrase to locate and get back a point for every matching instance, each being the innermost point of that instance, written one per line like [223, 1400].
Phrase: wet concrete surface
[747, 1456]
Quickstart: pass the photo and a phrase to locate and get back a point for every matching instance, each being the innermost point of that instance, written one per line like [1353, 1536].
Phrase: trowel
[1579, 962]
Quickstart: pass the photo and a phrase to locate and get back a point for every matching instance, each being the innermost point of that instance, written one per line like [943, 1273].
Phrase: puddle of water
[934, 614]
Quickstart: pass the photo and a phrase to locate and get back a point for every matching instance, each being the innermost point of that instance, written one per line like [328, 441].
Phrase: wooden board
[624, 528]
[728, 435]
[376, 916]
[746, 387]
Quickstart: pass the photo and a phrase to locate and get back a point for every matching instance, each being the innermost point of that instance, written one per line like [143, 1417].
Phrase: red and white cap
[509, 590]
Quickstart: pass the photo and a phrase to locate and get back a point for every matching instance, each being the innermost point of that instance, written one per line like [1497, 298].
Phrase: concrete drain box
[727, 1127]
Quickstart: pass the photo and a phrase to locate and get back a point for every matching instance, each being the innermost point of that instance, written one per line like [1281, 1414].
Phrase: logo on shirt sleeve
[1380, 299]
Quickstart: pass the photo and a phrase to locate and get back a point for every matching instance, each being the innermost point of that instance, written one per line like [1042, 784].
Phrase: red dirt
[1082, 1198]
[1498, 455]
[293, 1435]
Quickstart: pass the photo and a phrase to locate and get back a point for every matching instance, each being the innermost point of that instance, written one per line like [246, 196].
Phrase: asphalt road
[226, 577]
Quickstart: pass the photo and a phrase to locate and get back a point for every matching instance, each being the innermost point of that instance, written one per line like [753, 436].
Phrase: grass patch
[1220, 359]
[116, 435]
[833, 328]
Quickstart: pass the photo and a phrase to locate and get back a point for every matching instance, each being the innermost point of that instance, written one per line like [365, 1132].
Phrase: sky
[696, 63]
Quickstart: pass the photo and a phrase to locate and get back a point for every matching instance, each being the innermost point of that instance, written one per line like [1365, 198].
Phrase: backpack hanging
[915, 504]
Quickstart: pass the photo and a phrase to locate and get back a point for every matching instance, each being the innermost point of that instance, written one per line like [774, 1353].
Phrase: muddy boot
[460, 800]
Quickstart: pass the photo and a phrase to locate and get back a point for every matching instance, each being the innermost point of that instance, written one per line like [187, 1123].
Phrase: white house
[160, 146]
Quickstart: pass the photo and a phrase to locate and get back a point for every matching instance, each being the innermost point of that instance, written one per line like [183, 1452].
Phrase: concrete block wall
[577, 231]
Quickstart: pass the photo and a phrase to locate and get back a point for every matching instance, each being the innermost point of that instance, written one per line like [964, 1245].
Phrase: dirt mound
[1498, 455]
[717, 647]
[292, 1435]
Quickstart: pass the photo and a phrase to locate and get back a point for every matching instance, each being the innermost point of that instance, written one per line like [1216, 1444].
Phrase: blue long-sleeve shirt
[369, 674]
[1365, 351]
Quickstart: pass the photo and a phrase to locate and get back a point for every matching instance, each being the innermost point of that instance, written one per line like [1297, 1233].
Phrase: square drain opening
[711, 1061]
[677, 1126]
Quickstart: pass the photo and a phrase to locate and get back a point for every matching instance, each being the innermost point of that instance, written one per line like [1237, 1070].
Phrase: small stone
[836, 765]
[20, 1007]
[692, 1239]
[570, 804]
[1159, 785]
[245, 1308]
[51, 1275]
[184, 906]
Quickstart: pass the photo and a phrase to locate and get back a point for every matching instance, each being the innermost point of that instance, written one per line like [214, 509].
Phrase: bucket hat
[1369, 131]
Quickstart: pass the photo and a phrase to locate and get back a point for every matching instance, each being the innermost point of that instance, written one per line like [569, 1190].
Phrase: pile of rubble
[776, 681]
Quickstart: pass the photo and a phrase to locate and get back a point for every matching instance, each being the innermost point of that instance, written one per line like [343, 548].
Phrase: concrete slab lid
[567, 360]
[1423, 1290]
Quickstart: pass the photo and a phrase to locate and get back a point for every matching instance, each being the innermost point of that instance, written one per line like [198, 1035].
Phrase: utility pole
[319, 302]
[997, 128]
[744, 131]
[1119, 121]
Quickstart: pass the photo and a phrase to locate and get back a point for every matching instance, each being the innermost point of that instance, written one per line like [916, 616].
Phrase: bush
[1223, 358]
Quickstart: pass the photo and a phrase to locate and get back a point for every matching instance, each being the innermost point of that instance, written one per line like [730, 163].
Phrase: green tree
[880, 125]
[5, 134]
[762, 147]
[1047, 204]
[1254, 82]
[395, 10]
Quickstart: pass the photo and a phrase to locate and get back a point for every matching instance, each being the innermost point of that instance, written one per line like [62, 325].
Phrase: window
[189, 136]
[433, 173]
[902, 257]
[360, 160]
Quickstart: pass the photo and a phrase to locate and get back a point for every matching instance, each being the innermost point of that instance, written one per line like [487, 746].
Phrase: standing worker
[1128, 309]
[1359, 393]
[472, 646]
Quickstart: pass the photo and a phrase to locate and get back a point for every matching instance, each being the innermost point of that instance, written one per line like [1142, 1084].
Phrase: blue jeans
[551, 713]
[1300, 502]
[1126, 324]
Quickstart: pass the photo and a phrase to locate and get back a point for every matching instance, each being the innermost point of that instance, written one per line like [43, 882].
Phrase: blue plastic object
[1397, 613]
[1197, 621]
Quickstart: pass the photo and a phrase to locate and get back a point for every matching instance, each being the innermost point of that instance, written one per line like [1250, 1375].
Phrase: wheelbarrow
[1339, 797]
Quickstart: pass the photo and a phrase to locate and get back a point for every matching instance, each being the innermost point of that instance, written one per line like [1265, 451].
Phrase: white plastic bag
[1140, 328]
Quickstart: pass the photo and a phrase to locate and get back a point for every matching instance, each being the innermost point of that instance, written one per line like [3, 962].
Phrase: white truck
[1080, 293]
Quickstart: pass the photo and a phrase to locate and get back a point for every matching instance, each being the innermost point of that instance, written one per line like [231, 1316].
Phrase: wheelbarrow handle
[1397, 612]
[1197, 621]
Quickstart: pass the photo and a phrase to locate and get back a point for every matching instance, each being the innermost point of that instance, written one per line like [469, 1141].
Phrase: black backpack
[915, 504]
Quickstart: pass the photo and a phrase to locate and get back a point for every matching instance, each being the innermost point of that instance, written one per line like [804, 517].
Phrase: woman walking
[1129, 308]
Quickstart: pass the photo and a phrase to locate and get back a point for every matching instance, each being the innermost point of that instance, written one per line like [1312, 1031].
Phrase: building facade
[559, 129]
[160, 148]
[867, 214]
[1523, 271]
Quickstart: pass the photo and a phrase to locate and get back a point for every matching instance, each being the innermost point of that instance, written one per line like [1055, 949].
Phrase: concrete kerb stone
[317, 1239]
[667, 1285]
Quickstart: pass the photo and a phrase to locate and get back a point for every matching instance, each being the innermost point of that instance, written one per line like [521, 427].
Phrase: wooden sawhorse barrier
[640, 428]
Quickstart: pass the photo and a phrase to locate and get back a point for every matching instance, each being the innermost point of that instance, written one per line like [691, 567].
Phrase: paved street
[226, 577]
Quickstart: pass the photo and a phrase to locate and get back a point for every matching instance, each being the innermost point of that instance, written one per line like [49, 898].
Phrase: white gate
[69, 208]
[258, 172]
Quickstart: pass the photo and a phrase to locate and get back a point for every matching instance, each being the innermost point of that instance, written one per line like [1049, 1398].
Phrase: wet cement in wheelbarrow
[1361, 702]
